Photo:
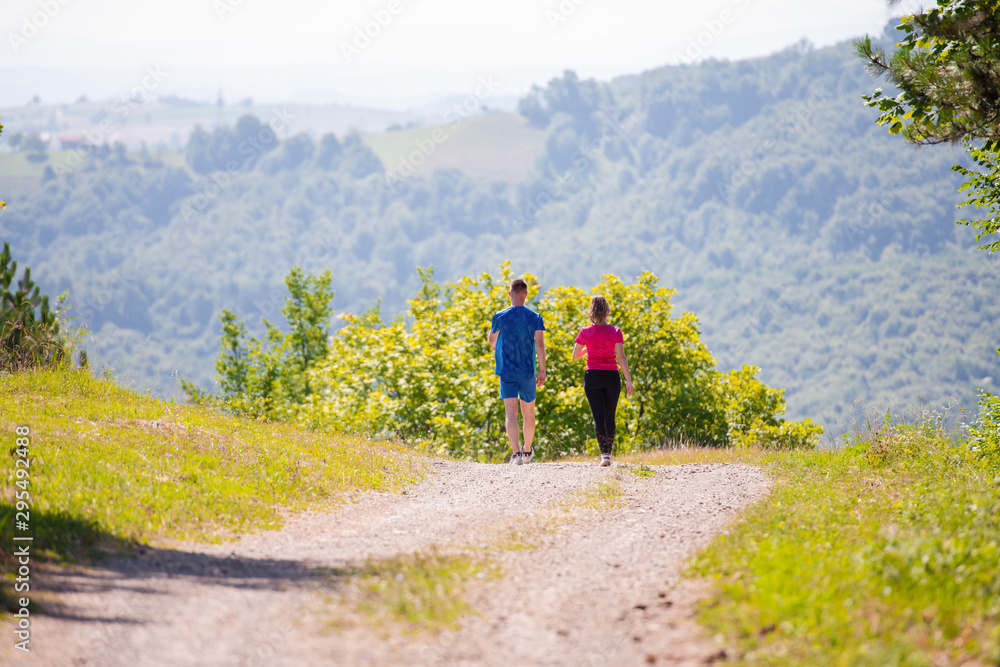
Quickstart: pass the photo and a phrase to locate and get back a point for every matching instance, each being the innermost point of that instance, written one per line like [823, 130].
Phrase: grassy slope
[109, 464]
[18, 164]
[500, 146]
[884, 553]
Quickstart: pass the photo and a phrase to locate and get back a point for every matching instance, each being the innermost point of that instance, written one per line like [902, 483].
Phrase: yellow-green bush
[985, 441]
[430, 380]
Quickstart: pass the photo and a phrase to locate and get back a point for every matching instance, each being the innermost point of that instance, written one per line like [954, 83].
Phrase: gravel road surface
[601, 587]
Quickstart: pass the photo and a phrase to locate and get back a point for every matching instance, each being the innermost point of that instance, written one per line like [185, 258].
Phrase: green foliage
[2, 203]
[111, 467]
[985, 441]
[751, 410]
[230, 149]
[29, 329]
[568, 95]
[33, 142]
[947, 68]
[139, 467]
[984, 186]
[308, 312]
[882, 553]
[267, 377]
[432, 383]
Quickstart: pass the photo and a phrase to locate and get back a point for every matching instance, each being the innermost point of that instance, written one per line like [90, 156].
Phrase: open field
[497, 146]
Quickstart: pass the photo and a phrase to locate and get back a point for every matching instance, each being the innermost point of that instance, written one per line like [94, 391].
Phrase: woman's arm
[579, 351]
[623, 364]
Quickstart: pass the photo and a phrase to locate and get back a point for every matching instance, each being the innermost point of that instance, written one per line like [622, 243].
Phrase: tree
[293, 153]
[270, 377]
[947, 69]
[229, 148]
[34, 142]
[2, 204]
[329, 151]
[581, 100]
[15, 140]
[29, 329]
[308, 312]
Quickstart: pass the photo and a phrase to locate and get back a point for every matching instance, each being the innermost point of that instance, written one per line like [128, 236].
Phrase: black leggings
[603, 389]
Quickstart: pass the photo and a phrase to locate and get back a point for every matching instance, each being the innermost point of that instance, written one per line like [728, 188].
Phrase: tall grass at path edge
[886, 552]
[108, 466]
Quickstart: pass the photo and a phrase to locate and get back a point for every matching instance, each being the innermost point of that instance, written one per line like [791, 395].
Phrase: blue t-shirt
[515, 351]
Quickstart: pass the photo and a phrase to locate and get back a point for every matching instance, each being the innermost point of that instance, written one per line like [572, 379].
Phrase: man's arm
[540, 351]
[493, 335]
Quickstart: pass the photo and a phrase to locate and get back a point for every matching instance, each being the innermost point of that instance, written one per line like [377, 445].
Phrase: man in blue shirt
[516, 334]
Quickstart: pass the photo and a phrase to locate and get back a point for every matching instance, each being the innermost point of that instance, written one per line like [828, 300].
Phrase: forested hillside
[807, 240]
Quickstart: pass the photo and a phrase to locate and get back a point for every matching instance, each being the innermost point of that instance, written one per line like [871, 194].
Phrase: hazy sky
[421, 46]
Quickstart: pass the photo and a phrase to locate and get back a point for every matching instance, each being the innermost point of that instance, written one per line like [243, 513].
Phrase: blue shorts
[523, 388]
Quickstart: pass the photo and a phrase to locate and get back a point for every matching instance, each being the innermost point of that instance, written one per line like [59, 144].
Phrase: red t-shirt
[600, 339]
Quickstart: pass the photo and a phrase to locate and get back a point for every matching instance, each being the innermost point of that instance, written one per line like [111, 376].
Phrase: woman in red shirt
[604, 346]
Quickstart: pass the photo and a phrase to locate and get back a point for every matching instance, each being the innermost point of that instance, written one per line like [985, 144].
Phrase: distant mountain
[807, 240]
[168, 121]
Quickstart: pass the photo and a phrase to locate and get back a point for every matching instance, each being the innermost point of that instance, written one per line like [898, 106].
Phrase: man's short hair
[518, 285]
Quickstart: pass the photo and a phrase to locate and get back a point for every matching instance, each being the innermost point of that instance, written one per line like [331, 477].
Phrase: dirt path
[600, 589]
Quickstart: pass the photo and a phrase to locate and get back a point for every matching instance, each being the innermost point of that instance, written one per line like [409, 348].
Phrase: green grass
[420, 592]
[499, 146]
[884, 553]
[641, 470]
[18, 164]
[605, 495]
[113, 466]
[685, 455]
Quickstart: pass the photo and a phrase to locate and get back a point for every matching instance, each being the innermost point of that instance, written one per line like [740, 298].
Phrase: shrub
[751, 414]
[985, 441]
[431, 381]
[29, 329]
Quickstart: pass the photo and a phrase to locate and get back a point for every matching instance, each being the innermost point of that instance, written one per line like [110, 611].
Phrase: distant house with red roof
[72, 141]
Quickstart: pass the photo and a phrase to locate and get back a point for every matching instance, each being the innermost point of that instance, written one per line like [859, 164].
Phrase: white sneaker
[515, 460]
[526, 457]
[605, 460]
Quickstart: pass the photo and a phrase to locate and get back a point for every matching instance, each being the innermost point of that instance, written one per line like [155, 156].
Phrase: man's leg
[510, 412]
[528, 415]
